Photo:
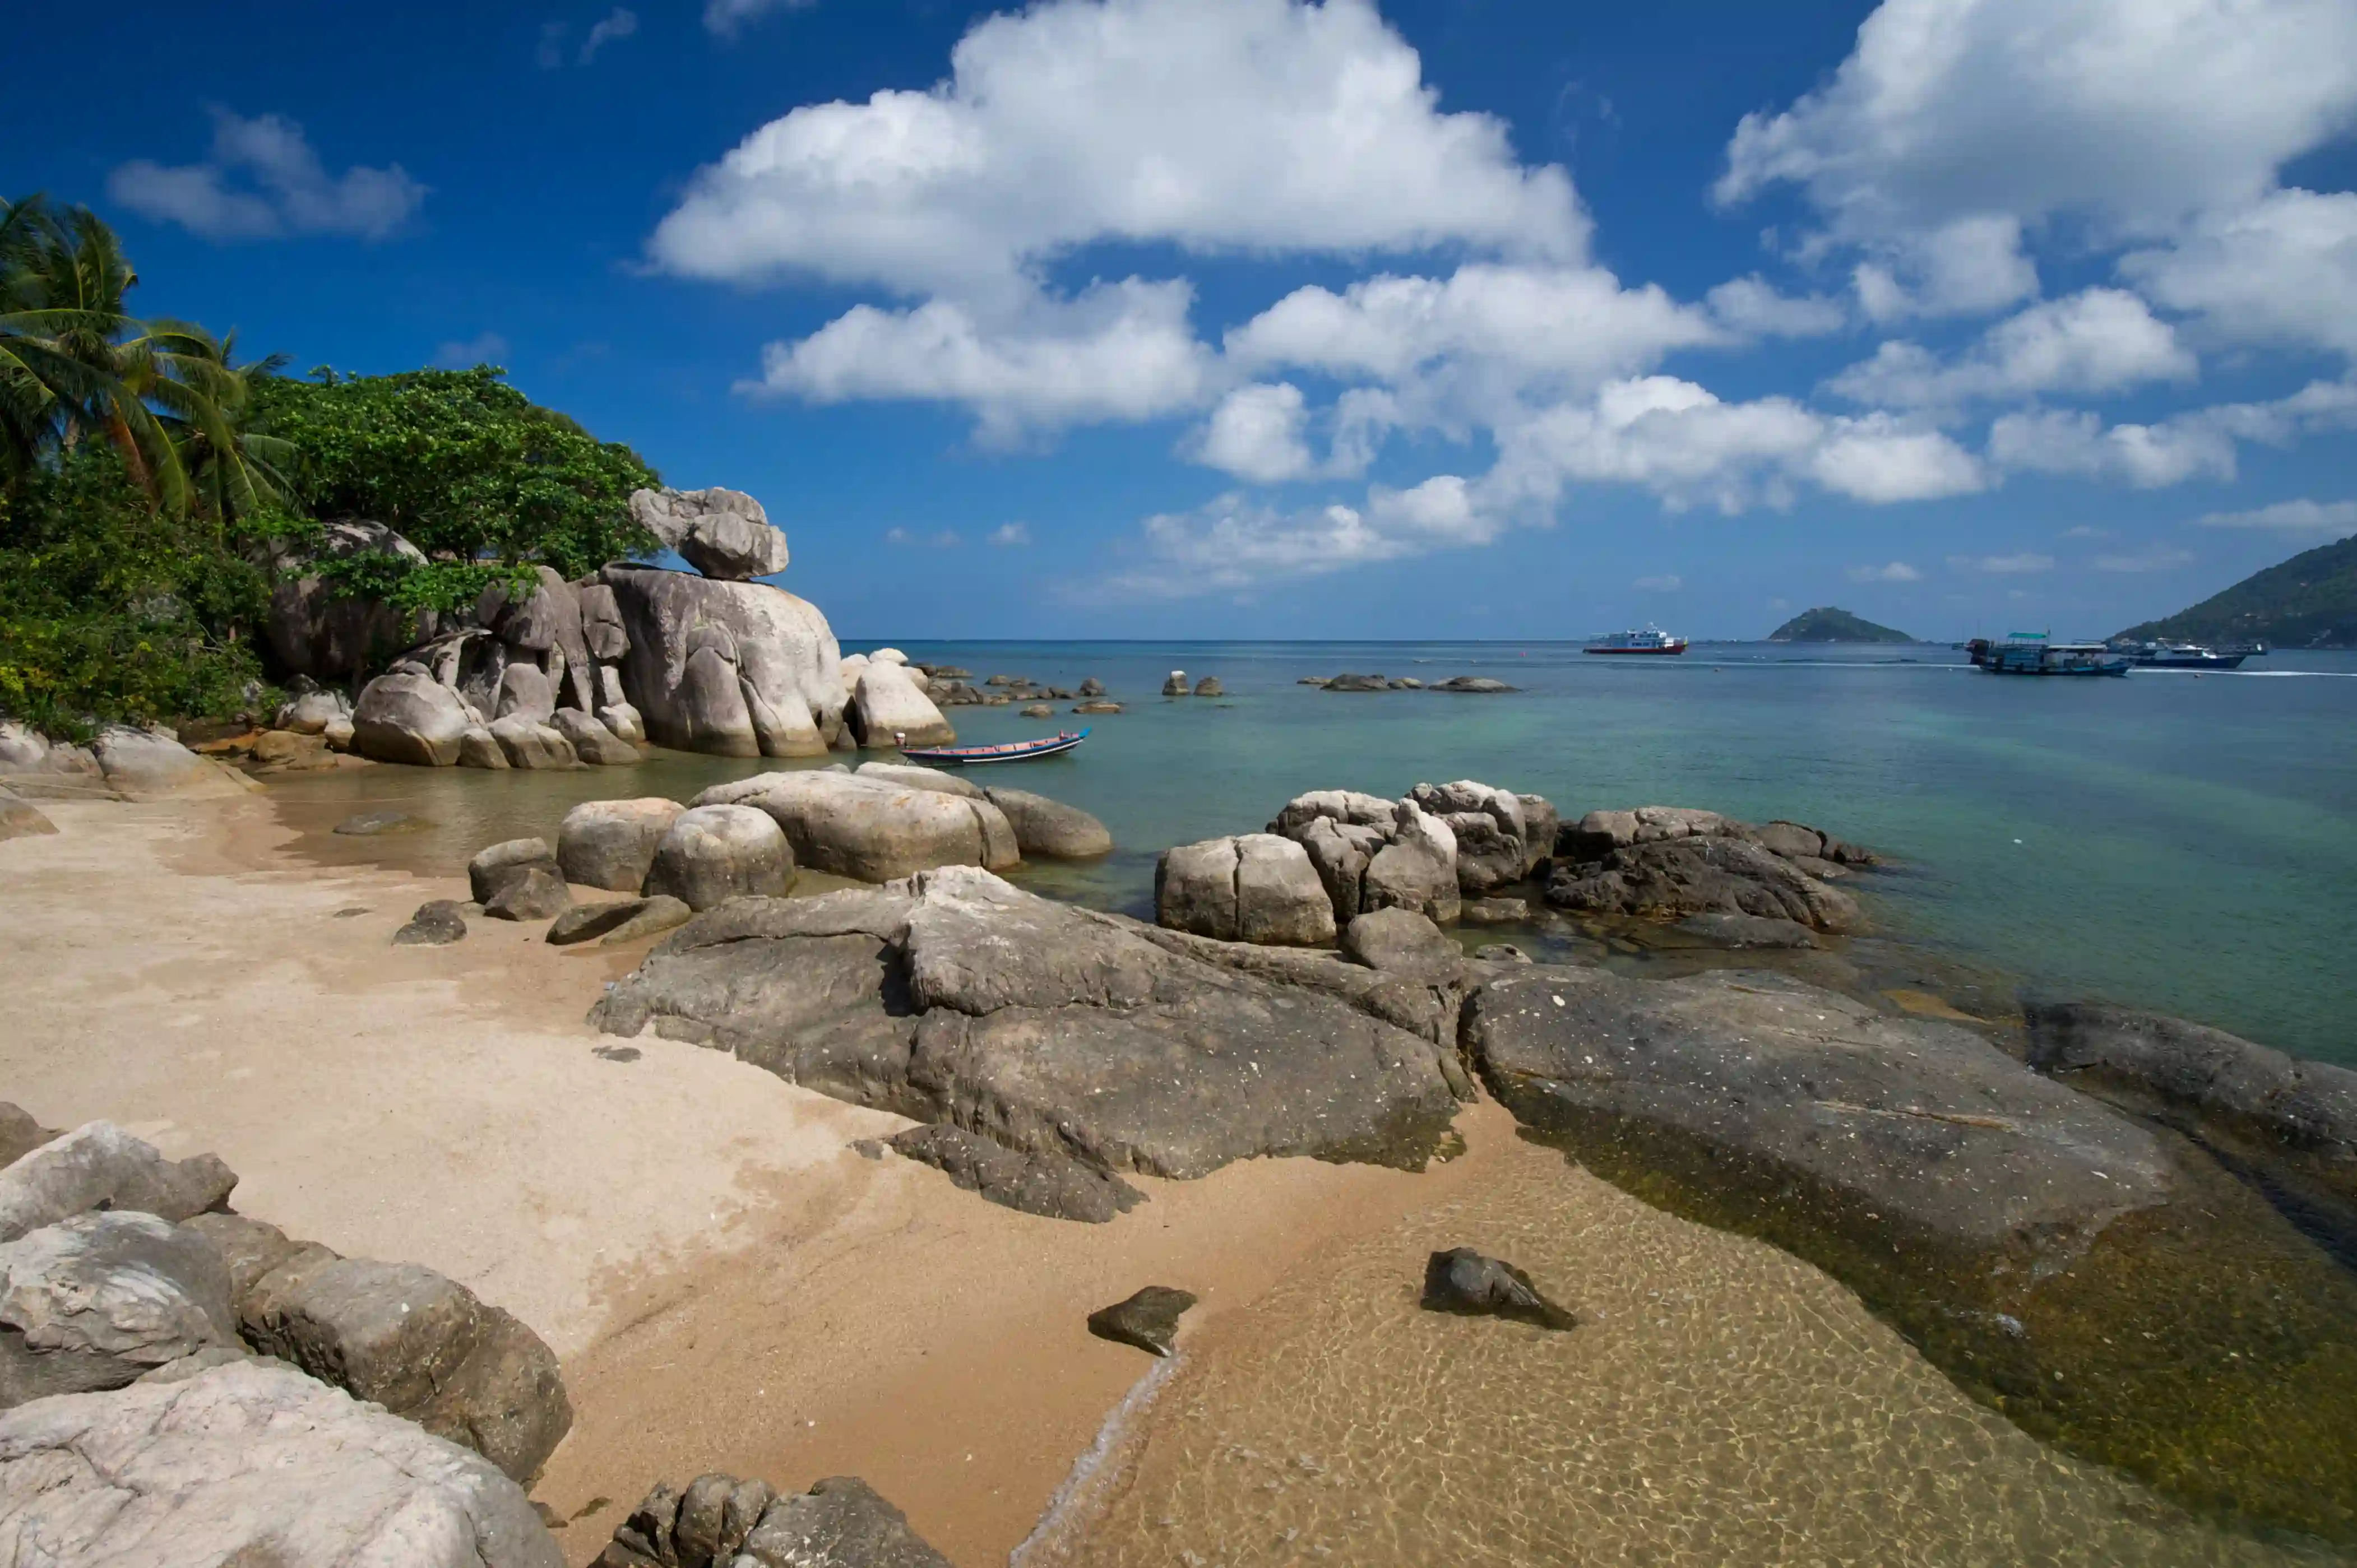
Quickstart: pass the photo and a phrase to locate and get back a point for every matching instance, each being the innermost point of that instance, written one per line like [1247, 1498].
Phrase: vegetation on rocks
[1827, 624]
[2308, 601]
[148, 480]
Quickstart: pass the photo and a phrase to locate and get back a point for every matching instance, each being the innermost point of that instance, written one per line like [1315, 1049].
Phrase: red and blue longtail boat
[1012, 751]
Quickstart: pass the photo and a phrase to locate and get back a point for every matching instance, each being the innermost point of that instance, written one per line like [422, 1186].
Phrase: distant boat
[1652, 640]
[2030, 653]
[2186, 656]
[1012, 751]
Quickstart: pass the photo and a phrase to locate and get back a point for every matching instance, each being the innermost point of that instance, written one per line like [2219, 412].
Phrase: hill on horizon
[1827, 624]
[2308, 601]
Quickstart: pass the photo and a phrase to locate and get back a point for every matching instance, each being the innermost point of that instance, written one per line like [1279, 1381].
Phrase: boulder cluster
[568, 674]
[719, 1521]
[180, 1383]
[121, 763]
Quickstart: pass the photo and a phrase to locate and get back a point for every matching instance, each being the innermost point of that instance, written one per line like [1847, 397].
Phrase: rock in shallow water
[712, 853]
[1699, 874]
[1148, 1320]
[1462, 1281]
[1049, 829]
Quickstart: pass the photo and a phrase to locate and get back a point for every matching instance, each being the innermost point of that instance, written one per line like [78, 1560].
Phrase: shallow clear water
[2177, 842]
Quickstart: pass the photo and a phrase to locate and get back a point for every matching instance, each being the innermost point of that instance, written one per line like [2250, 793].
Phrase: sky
[1217, 318]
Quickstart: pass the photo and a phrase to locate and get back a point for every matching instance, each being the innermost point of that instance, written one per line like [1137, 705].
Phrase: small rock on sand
[437, 924]
[1462, 1281]
[1148, 1320]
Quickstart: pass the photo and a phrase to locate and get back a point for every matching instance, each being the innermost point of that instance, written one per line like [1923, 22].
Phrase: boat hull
[1669, 652]
[977, 755]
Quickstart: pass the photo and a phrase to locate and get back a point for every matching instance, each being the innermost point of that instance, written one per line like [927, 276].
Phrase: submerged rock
[1049, 1028]
[2107, 1289]
[1462, 1281]
[1052, 1186]
[254, 1462]
[1148, 1320]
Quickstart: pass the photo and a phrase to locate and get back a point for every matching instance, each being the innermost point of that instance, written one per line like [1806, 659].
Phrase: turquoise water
[2181, 843]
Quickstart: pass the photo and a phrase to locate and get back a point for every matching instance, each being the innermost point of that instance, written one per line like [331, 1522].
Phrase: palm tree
[75, 362]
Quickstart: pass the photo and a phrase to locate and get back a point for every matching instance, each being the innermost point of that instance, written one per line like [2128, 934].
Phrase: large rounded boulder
[729, 669]
[611, 843]
[1255, 888]
[712, 853]
[411, 718]
[872, 829]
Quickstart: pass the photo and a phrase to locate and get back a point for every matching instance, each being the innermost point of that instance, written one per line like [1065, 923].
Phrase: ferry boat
[2030, 653]
[1652, 640]
[2185, 656]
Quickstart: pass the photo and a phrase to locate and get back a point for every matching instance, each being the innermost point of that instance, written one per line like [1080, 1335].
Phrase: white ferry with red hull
[1652, 640]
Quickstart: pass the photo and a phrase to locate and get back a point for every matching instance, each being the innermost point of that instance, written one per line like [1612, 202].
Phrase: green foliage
[112, 610]
[463, 466]
[1826, 624]
[2308, 601]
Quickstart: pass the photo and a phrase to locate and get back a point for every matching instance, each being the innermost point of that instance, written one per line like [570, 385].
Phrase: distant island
[2308, 601]
[1826, 624]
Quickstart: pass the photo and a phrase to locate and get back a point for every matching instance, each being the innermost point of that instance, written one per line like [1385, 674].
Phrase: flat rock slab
[1740, 931]
[624, 920]
[1050, 1185]
[1148, 1320]
[1047, 1029]
[252, 1463]
[368, 824]
[1464, 1281]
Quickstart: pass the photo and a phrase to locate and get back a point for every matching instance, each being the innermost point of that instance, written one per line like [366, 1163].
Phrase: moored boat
[2031, 654]
[1652, 640]
[2185, 656]
[1011, 751]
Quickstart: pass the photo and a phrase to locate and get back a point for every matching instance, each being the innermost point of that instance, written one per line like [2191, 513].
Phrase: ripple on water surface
[1723, 1404]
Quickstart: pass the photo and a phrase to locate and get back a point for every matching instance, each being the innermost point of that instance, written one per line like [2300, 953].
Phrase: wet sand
[733, 1288]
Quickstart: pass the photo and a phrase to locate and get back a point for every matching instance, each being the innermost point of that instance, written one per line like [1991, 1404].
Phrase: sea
[2179, 840]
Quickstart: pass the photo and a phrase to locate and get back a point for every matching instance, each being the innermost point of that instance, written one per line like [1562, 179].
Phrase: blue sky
[1251, 317]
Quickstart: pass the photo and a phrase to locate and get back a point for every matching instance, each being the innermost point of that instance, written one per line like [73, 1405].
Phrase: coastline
[732, 1287]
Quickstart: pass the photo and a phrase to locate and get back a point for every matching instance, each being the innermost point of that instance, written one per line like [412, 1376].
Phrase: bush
[111, 611]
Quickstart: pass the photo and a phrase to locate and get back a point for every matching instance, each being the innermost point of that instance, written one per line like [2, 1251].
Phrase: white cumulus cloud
[263, 181]
[2023, 564]
[1892, 572]
[1256, 434]
[2099, 340]
[2300, 519]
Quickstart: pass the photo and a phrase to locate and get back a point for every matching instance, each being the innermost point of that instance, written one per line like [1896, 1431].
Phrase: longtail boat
[1012, 751]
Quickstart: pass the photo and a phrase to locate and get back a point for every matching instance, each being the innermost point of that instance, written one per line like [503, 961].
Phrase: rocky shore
[2128, 1234]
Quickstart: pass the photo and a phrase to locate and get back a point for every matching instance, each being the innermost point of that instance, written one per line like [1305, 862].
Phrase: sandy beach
[732, 1286]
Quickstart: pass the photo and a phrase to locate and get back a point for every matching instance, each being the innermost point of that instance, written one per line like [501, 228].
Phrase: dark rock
[1671, 879]
[947, 673]
[419, 1344]
[1358, 683]
[249, 1247]
[2300, 1117]
[1740, 931]
[438, 923]
[1091, 687]
[94, 1301]
[588, 922]
[368, 824]
[839, 1520]
[100, 1165]
[1148, 1320]
[1008, 681]
[1208, 686]
[1462, 1281]
[1096, 706]
[1478, 685]
[1049, 1185]
[1049, 829]
[316, 629]
[954, 997]
[1500, 953]
[1403, 942]
[534, 892]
